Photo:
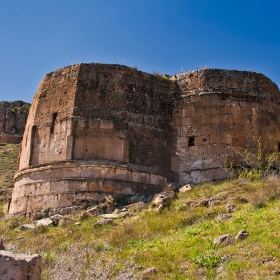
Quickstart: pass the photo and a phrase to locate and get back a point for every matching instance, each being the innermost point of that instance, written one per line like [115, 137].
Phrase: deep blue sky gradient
[168, 36]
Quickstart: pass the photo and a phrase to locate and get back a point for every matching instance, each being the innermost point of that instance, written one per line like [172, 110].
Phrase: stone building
[96, 129]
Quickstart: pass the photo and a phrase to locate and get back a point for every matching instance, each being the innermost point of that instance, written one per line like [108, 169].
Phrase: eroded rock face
[20, 266]
[96, 130]
[13, 117]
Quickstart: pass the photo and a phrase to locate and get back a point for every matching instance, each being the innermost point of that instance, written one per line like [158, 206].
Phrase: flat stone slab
[28, 227]
[20, 266]
[44, 222]
[109, 216]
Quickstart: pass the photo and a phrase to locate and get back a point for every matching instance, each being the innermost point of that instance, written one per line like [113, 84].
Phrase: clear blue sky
[40, 36]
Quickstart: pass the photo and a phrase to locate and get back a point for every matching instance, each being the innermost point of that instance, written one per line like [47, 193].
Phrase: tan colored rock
[185, 188]
[242, 234]
[223, 239]
[20, 266]
[44, 222]
[163, 199]
[136, 206]
[28, 227]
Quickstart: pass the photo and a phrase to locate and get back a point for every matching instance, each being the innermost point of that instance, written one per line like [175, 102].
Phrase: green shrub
[256, 165]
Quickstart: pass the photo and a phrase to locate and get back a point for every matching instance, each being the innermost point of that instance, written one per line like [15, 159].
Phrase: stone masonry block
[237, 118]
[215, 139]
[205, 119]
[190, 112]
[226, 139]
[235, 109]
[20, 266]
[208, 130]
[238, 141]
[201, 111]
[214, 118]
[202, 140]
[186, 121]
[224, 110]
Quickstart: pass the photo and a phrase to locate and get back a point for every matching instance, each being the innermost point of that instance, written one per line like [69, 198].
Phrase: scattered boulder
[11, 247]
[109, 216]
[19, 266]
[206, 202]
[202, 202]
[28, 227]
[109, 204]
[163, 198]
[242, 234]
[124, 214]
[95, 210]
[84, 215]
[136, 198]
[136, 206]
[222, 239]
[73, 210]
[44, 222]
[185, 188]
[56, 218]
[269, 260]
[147, 272]
[224, 217]
[104, 222]
[230, 207]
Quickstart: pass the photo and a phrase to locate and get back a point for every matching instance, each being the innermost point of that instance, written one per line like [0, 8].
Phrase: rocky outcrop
[13, 117]
[19, 266]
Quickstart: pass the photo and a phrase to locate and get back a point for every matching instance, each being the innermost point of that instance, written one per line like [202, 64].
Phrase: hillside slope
[8, 164]
[177, 243]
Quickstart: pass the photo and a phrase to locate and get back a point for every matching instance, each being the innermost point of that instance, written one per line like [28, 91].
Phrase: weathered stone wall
[13, 116]
[220, 114]
[93, 130]
[98, 129]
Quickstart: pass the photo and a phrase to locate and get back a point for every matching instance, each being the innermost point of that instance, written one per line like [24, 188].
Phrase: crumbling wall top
[241, 84]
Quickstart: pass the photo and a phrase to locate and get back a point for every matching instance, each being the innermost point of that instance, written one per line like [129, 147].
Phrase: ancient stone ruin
[96, 129]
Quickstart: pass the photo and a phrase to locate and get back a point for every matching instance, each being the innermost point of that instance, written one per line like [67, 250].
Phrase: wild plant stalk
[256, 165]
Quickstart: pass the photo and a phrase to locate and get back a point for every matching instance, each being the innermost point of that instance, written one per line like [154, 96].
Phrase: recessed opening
[278, 146]
[54, 115]
[204, 140]
[191, 141]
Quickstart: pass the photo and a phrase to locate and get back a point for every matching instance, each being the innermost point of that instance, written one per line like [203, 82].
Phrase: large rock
[44, 222]
[20, 266]
[13, 117]
[225, 239]
[163, 199]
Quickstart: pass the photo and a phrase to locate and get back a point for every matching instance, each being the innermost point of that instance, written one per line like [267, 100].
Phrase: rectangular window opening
[191, 141]
[54, 115]
[278, 146]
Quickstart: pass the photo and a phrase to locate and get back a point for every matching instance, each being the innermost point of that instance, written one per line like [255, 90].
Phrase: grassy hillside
[8, 163]
[178, 242]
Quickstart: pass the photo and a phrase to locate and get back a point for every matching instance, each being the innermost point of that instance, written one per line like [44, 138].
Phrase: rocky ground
[226, 230]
